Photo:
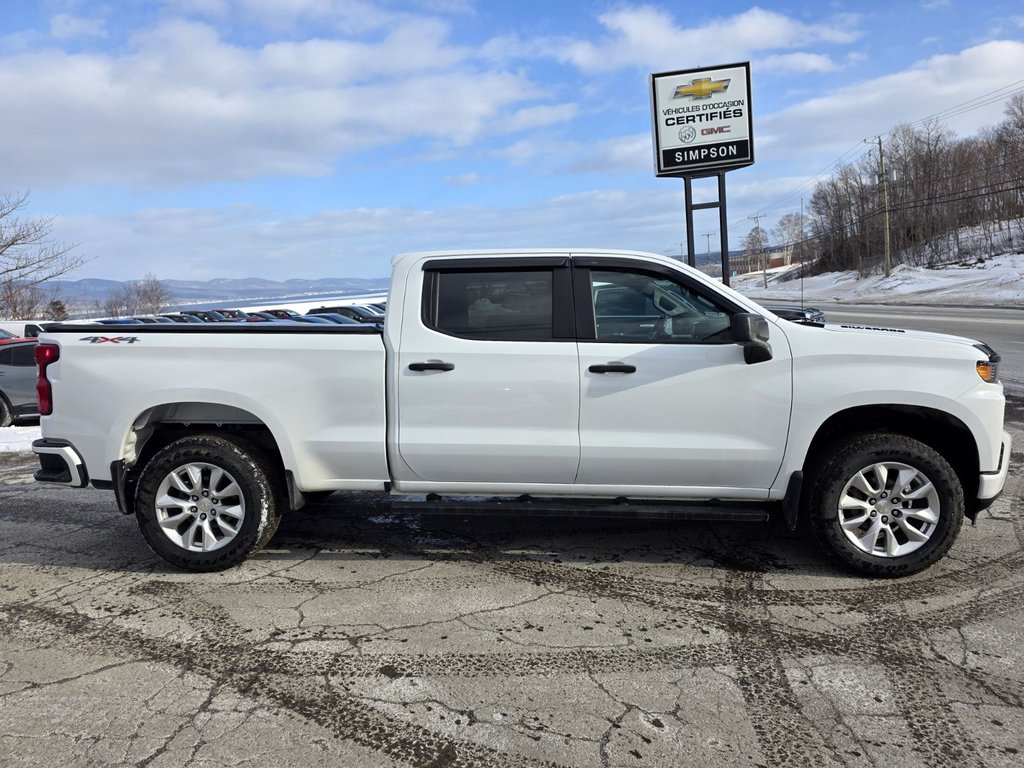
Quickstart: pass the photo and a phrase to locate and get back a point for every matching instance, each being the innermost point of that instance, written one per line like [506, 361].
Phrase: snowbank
[998, 281]
[14, 439]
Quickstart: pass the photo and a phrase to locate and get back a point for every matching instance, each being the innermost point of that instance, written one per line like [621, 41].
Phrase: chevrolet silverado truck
[589, 382]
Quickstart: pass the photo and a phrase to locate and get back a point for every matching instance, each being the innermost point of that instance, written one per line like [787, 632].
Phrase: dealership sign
[702, 120]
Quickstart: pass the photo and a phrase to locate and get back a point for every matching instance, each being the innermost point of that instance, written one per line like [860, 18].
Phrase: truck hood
[876, 330]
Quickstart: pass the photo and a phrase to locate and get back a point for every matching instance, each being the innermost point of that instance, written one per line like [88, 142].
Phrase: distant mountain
[89, 290]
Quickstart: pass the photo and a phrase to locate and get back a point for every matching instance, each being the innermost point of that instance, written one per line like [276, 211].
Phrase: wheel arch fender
[160, 423]
[944, 431]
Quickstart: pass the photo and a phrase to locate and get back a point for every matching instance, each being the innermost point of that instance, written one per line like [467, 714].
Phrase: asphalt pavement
[363, 638]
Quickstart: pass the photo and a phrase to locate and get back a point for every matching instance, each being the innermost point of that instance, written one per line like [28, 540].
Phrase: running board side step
[600, 508]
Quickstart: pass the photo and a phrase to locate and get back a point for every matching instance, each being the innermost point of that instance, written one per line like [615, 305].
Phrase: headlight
[988, 370]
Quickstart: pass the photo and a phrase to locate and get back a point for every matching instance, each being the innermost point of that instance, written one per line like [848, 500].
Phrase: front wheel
[886, 505]
[205, 503]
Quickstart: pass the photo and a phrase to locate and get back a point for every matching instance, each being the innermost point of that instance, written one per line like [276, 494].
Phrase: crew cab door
[488, 373]
[666, 399]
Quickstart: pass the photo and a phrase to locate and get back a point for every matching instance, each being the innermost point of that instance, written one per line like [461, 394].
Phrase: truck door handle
[613, 368]
[434, 365]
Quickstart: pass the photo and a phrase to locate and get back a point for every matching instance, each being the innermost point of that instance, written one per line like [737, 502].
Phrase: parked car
[119, 321]
[208, 315]
[283, 314]
[17, 382]
[240, 315]
[177, 317]
[6, 337]
[311, 319]
[23, 328]
[359, 314]
[809, 315]
[334, 317]
[267, 316]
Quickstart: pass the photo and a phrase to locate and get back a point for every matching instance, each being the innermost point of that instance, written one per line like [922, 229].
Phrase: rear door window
[23, 356]
[508, 305]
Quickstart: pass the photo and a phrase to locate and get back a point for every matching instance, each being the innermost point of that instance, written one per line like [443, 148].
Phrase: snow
[998, 281]
[15, 439]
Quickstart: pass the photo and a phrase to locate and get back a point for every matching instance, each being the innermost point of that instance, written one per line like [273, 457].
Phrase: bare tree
[949, 199]
[28, 258]
[753, 248]
[153, 294]
[124, 302]
[19, 301]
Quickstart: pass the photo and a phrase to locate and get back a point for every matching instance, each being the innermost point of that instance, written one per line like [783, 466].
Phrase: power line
[990, 97]
[1003, 92]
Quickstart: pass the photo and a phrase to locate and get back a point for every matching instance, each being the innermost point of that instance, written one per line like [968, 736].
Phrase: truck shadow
[354, 526]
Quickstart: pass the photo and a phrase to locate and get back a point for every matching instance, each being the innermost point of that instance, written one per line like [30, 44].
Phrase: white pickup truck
[601, 382]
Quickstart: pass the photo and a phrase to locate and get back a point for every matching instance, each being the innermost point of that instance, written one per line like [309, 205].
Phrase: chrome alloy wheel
[889, 509]
[199, 507]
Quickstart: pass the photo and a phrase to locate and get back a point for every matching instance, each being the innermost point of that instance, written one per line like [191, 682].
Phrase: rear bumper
[990, 484]
[59, 463]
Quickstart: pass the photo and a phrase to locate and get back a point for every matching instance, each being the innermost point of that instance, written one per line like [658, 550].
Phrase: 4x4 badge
[110, 339]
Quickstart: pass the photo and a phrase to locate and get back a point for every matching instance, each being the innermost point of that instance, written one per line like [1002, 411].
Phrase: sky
[198, 139]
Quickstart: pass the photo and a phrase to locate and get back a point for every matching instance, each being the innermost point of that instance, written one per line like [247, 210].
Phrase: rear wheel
[886, 505]
[205, 503]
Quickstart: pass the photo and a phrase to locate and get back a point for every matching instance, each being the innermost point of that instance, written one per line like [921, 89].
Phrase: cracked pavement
[360, 637]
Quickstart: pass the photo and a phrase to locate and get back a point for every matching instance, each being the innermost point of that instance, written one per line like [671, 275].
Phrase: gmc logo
[719, 129]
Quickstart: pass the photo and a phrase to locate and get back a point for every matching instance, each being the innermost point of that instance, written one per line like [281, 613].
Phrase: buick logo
[687, 134]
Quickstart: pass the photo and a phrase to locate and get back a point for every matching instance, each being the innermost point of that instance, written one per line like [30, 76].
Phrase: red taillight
[45, 354]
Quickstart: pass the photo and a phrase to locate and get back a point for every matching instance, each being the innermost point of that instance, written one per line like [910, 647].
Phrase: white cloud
[464, 180]
[649, 37]
[539, 117]
[934, 5]
[796, 62]
[347, 15]
[621, 154]
[184, 106]
[66, 27]
[833, 122]
[533, 148]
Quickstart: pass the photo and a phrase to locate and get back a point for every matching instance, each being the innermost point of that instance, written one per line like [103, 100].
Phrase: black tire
[6, 417]
[258, 503]
[841, 467]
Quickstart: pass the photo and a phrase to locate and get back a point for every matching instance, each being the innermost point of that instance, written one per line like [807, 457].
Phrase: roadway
[1002, 329]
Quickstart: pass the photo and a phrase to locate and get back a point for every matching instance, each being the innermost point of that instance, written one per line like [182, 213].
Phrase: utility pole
[708, 236]
[883, 179]
[756, 218]
[802, 248]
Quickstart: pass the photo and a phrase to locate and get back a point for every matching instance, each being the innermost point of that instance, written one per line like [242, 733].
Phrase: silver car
[17, 382]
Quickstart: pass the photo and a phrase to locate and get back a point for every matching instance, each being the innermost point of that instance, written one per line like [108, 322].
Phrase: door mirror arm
[751, 332]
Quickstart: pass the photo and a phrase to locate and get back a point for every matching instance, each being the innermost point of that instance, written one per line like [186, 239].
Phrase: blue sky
[309, 138]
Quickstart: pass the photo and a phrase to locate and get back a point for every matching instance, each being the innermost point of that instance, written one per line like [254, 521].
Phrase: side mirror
[751, 332]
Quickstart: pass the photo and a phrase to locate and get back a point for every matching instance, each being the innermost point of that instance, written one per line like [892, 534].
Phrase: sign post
[703, 126]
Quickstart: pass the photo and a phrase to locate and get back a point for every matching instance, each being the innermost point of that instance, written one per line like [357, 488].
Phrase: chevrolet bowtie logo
[701, 88]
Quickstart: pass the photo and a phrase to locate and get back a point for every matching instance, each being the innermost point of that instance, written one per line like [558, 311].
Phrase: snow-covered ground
[14, 439]
[998, 281]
